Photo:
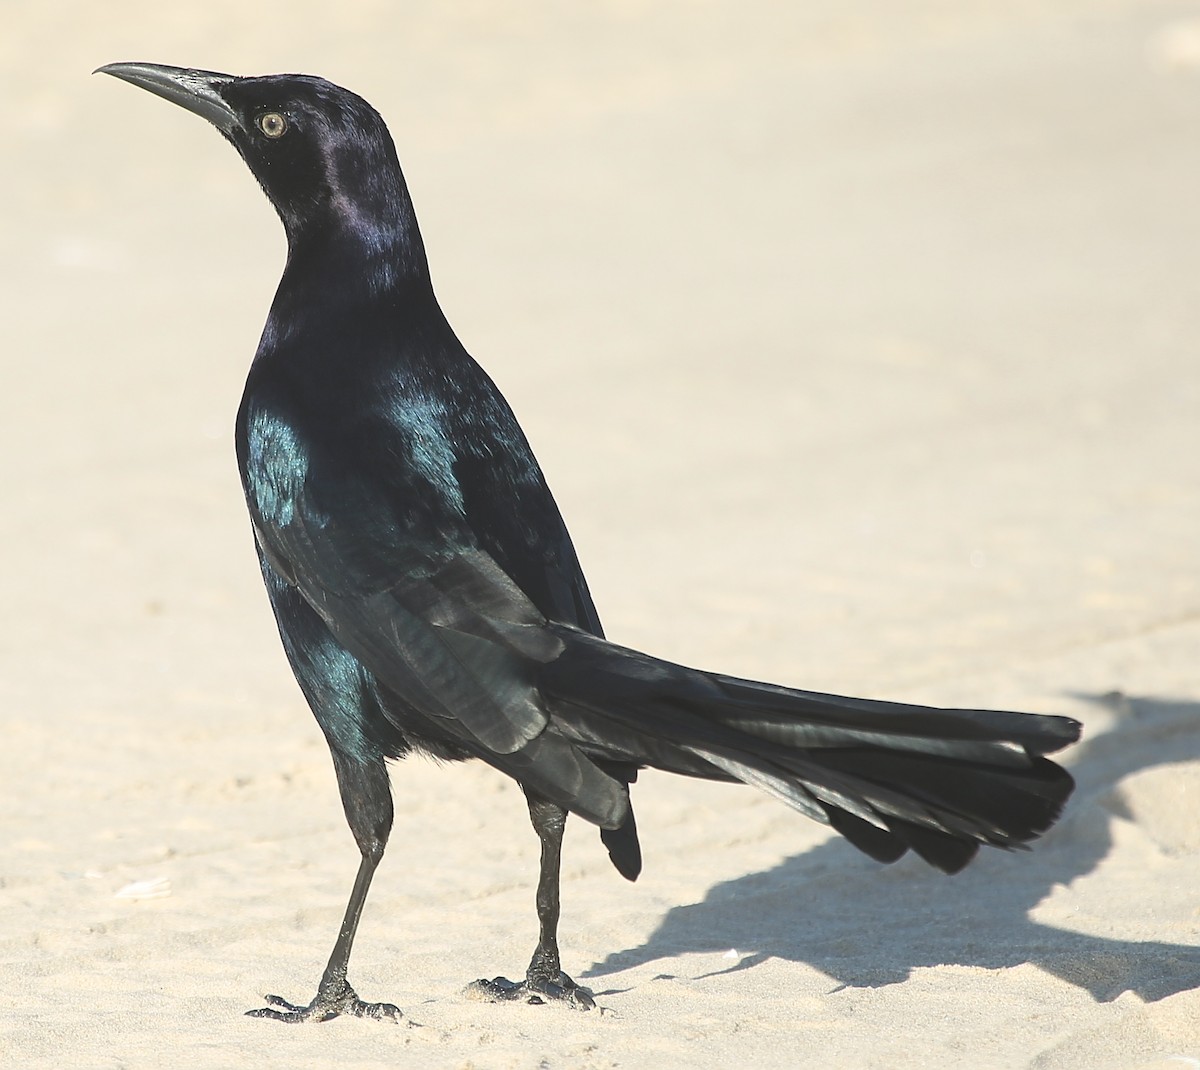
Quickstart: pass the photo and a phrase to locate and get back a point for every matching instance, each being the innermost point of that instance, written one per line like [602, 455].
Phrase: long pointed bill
[195, 90]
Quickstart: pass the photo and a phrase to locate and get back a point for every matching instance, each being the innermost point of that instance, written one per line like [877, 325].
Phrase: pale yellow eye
[272, 124]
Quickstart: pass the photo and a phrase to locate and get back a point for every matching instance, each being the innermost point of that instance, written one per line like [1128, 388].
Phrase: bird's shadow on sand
[867, 925]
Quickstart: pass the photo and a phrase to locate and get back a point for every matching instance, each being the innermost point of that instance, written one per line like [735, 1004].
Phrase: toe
[379, 1011]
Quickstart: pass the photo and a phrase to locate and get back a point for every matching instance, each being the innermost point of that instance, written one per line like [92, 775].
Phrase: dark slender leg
[367, 798]
[549, 822]
[544, 979]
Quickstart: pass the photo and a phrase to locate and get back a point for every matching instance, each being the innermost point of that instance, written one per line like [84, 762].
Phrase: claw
[325, 1005]
[537, 990]
[379, 1011]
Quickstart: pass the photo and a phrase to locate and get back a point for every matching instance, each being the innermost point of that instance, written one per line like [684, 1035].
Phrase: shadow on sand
[868, 925]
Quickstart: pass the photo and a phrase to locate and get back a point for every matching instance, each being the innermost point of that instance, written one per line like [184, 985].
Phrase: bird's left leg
[544, 979]
[367, 798]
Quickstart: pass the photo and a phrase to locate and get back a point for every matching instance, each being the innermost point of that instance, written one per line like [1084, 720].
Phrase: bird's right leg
[367, 798]
[544, 979]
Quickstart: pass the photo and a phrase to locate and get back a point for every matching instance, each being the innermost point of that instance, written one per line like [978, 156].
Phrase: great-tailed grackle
[429, 598]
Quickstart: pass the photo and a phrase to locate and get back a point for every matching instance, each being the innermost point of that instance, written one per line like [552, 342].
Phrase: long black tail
[886, 775]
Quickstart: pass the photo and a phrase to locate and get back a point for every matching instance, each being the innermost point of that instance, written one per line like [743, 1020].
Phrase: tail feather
[771, 712]
[624, 848]
[944, 852]
[880, 844]
[888, 776]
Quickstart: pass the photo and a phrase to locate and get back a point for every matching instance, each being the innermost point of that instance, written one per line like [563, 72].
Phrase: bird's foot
[534, 990]
[328, 1003]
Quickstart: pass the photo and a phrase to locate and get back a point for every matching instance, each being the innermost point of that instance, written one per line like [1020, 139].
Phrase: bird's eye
[272, 124]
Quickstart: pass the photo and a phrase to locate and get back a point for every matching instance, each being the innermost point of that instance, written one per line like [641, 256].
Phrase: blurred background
[858, 341]
[832, 323]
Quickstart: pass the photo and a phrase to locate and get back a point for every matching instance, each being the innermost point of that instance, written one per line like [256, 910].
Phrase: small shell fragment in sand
[155, 888]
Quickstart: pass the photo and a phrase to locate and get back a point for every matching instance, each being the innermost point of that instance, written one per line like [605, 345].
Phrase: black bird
[429, 598]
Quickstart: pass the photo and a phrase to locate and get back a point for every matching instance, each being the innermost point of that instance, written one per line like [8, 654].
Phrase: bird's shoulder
[409, 440]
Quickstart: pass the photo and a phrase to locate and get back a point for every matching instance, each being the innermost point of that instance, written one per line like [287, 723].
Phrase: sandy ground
[859, 342]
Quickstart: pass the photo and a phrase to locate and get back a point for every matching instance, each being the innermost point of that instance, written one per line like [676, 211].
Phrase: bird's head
[321, 153]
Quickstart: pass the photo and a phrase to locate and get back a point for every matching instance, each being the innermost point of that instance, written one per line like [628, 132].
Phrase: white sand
[859, 342]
